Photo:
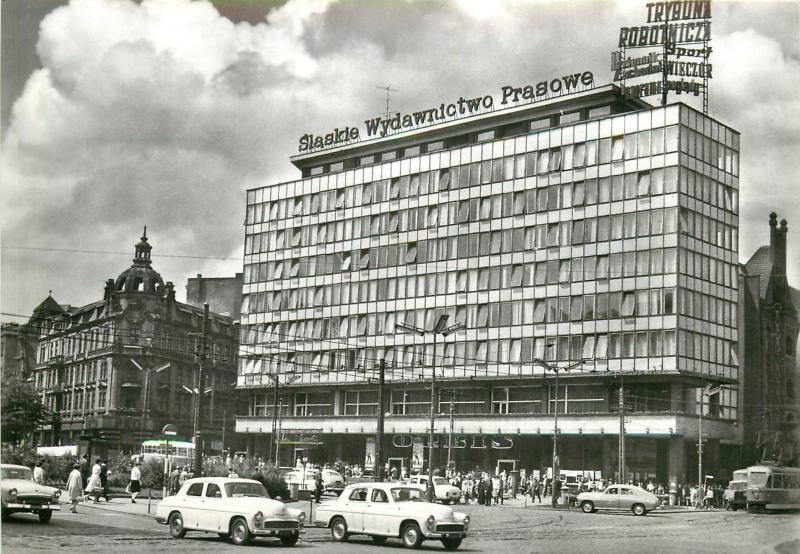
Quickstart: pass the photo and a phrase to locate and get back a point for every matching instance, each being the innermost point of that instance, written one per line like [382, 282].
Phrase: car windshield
[440, 481]
[333, 474]
[17, 473]
[407, 494]
[235, 489]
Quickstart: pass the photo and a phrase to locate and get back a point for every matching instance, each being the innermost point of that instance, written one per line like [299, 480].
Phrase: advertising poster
[369, 457]
[417, 454]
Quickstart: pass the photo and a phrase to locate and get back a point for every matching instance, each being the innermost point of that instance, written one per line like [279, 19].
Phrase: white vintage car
[445, 492]
[618, 497]
[239, 509]
[384, 510]
[21, 494]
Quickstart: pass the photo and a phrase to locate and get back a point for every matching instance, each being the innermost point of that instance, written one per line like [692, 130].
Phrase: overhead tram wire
[473, 363]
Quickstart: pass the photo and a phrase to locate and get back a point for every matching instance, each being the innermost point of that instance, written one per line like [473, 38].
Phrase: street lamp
[555, 369]
[275, 408]
[438, 329]
[146, 401]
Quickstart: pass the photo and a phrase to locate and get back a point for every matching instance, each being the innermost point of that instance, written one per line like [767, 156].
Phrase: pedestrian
[38, 473]
[173, 480]
[489, 490]
[94, 485]
[536, 491]
[104, 479]
[136, 482]
[83, 465]
[75, 487]
[556, 492]
[317, 486]
[393, 473]
[708, 501]
[501, 491]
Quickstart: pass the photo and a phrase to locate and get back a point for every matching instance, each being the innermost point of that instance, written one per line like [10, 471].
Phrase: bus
[771, 487]
[735, 494]
[181, 452]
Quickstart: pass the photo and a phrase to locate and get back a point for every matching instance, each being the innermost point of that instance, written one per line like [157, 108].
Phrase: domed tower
[140, 277]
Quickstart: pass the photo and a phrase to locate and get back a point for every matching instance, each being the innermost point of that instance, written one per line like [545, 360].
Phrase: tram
[771, 487]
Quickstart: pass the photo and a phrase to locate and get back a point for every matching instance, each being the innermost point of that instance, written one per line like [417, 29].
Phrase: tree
[23, 412]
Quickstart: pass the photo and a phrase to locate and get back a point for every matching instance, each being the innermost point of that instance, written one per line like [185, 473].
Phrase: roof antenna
[389, 89]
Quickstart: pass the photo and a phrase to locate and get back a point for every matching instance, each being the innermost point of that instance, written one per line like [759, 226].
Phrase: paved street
[123, 528]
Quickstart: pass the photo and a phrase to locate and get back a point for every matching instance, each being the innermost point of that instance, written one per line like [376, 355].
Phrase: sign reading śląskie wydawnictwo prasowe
[510, 96]
[680, 33]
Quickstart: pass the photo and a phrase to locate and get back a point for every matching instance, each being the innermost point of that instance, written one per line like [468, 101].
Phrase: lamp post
[556, 369]
[438, 329]
[276, 408]
[700, 479]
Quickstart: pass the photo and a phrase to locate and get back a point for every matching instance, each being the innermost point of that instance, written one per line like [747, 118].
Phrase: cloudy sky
[119, 114]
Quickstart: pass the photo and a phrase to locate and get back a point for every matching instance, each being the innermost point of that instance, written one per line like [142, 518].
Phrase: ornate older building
[770, 326]
[115, 371]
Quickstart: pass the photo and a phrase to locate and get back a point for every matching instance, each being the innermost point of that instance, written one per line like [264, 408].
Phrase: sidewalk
[118, 504]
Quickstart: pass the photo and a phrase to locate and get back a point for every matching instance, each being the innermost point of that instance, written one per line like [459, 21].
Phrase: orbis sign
[463, 107]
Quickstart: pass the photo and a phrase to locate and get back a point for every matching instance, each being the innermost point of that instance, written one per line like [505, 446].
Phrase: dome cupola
[140, 277]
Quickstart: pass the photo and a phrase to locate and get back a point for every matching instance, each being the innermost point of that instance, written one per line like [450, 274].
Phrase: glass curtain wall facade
[611, 238]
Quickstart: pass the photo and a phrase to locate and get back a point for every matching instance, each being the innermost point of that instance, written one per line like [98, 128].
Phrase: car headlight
[431, 523]
[259, 518]
[466, 520]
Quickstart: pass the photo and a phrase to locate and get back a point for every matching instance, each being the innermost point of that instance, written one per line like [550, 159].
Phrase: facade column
[251, 444]
[609, 453]
[676, 468]
[676, 398]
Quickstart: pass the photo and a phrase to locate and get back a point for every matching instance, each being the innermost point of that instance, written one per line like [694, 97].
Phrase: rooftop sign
[510, 96]
[680, 32]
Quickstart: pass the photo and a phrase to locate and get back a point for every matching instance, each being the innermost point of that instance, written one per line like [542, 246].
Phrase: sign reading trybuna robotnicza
[678, 35]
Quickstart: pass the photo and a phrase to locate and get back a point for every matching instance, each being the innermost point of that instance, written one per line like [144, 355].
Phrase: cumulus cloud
[163, 112]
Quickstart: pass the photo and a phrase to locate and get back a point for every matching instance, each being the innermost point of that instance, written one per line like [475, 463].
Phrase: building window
[465, 400]
[411, 401]
[312, 404]
[363, 402]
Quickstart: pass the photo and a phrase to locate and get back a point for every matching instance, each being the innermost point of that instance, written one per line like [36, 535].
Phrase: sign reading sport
[680, 32]
[463, 107]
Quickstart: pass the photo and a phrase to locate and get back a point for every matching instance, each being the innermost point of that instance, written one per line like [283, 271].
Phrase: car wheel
[5, 514]
[451, 543]
[45, 515]
[377, 539]
[412, 536]
[176, 528]
[638, 509]
[587, 507]
[290, 539]
[240, 532]
[339, 530]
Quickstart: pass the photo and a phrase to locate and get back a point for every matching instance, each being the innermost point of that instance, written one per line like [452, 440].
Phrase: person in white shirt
[38, 474]
[136, 478]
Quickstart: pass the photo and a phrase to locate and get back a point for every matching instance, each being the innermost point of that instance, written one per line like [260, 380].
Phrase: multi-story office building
[115, 371]
[587, 227]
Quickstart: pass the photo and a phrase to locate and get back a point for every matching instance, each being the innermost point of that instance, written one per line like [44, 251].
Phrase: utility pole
[450, 438]
[438, 329]
[273, 438]
[700, 479]
[621, 428]
[379, 432]
[201, 357]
